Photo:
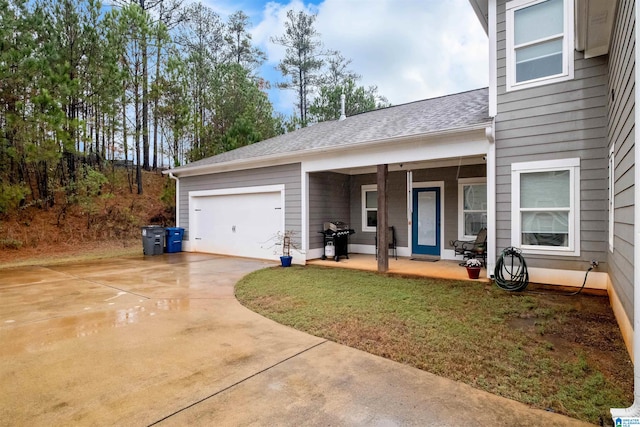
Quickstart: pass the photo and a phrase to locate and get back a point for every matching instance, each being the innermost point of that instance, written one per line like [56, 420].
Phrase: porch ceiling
[424, 164]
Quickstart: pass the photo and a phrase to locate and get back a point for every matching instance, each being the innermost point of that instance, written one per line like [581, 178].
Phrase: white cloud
[410, 49]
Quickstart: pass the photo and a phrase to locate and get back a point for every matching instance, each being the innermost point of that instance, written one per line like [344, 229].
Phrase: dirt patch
[110, 224]
[582, 329]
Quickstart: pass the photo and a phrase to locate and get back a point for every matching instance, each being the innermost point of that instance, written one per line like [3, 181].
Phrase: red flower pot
[473, 272]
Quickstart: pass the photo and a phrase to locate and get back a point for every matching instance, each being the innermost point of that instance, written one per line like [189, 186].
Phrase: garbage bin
[174, 239]
[152, 239]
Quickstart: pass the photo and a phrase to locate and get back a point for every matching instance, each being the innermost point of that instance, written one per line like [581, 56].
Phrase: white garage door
[237, 224]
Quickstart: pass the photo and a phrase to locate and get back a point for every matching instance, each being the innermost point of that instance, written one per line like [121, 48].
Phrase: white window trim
[365, 189]
[567, 47]
[612, 195]
[573, 166]
[461, 183]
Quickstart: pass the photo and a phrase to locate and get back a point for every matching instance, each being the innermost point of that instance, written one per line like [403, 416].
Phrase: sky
[409, 49]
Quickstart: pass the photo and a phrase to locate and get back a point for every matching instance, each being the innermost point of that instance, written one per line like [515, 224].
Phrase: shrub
[11, 195]
[10, 243]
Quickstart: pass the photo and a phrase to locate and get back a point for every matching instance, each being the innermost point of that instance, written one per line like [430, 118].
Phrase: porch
[440, 269]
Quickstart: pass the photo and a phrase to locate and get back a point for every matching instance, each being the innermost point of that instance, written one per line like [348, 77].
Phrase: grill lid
[335, 226]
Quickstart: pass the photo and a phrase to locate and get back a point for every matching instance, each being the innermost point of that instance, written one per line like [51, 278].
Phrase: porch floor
[441, 269]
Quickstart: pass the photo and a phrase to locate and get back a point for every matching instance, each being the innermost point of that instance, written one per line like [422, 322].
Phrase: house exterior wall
[555, 121]
[329, 200]
[621, 137]
[397, 190]
[289, 175]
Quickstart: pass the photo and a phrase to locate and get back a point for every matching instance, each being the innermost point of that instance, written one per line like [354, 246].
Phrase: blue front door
[426, 221]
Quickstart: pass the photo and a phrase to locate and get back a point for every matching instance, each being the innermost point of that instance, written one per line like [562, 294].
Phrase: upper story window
[539, 42]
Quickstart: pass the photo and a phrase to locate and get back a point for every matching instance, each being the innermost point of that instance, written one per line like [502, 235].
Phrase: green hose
[511, 270]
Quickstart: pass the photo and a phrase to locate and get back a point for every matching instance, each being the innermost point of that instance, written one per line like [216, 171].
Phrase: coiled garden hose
[511, 270]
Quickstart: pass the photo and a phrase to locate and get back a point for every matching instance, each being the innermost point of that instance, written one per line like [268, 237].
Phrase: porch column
[383, 221]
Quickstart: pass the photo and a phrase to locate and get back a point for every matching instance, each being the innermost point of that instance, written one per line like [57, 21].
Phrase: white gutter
[632, 413]
[295, 157]
[172, 176]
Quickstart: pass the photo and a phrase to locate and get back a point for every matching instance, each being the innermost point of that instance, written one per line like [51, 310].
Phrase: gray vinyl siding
[329, 200]
[621, 135]
[289, 175]
[397, 199]
[555, 121]
[450, 177]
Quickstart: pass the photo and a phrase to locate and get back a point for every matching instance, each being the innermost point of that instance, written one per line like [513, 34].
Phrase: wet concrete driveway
[161, 340]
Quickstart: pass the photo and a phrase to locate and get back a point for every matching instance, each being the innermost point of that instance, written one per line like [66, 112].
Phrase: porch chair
[391, 236]
[472, 249]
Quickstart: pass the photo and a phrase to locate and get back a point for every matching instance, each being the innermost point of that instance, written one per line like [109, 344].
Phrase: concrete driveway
[161, 340]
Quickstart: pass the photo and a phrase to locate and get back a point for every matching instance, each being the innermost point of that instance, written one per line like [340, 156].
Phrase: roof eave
[594, 26]
[481, 8]
[295, 157]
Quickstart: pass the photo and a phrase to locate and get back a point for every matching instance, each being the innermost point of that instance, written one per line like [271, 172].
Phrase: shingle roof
[445, 113]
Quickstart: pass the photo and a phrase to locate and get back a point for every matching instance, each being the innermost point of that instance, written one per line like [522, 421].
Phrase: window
[369, 207]
[546, 206]
[539, 42]
[612, 195]
[472, 207]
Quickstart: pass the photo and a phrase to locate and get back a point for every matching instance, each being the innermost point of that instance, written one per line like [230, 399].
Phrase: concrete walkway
[161, 340]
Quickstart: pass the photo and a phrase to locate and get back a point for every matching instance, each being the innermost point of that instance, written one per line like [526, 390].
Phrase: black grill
[338, 233]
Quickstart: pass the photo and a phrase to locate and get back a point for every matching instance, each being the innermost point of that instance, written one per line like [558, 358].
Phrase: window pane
[539, 60]
[545, 228]
[545, 239]
[473, 222]
[372, 218]
[545, 189]
[538, 21]
[372, 199]
[475, 197]
[427, 214]
[545, 222]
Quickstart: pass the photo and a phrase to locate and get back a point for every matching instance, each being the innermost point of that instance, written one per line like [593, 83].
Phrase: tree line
[84, 86]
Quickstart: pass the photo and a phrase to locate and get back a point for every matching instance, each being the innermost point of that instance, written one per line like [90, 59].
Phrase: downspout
[304, 238]
[172, 176]
[634, 410]
[490, 133]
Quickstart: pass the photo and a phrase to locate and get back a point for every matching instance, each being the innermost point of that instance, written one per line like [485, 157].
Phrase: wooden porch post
[383, 221]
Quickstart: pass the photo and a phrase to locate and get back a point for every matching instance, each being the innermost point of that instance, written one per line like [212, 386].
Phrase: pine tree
[303, 59]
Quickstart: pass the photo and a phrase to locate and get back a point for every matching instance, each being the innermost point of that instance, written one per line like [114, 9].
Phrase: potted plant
[473, 266]
[286, 258]
[286, 241]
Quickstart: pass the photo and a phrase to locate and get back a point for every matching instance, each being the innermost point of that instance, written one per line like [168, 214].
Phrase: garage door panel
[238, 224]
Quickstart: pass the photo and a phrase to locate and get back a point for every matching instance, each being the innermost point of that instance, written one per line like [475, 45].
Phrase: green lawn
[548, 350]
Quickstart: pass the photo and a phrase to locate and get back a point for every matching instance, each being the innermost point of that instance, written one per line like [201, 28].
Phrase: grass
[558, 353]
